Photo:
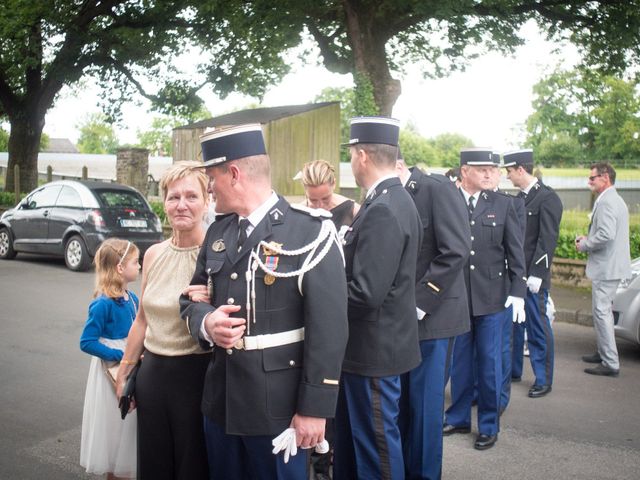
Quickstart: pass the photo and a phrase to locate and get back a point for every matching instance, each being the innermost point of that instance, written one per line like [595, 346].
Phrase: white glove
[287, 441]
[517, 305]
[534, 284]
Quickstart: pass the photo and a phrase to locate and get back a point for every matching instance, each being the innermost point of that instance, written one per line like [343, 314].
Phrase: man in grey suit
[607, 244]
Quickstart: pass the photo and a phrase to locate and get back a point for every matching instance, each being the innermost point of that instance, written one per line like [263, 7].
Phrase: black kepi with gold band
[518, 158]
[478, 157]
[382, 130]
[231, 143]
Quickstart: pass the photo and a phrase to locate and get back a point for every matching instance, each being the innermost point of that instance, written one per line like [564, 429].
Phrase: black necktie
[471, 206]
[242, 231]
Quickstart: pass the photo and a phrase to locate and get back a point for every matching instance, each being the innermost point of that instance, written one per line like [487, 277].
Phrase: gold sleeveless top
[168, 276]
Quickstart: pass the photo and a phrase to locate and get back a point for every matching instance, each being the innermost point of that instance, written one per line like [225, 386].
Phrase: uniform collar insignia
[412, 184]
[275, 214]
[484, 195]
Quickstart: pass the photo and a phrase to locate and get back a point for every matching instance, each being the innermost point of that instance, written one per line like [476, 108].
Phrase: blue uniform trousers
[422, 408]
[367, 433]
[245, 457]
[539, 339]
[485, 337]
[507, 353]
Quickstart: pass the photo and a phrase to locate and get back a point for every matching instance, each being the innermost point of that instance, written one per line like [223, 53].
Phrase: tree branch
[331, 59]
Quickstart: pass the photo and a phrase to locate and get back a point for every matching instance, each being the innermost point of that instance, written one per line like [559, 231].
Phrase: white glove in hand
[534, 284]
[287, 441]
[517, 305]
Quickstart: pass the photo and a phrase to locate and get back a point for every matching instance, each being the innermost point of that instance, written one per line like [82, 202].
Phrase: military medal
[267, 251]
[218, 246]
[271, 263]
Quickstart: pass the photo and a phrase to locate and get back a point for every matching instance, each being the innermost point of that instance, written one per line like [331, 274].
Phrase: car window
[46, 197]
[120, 198]
[69, 198]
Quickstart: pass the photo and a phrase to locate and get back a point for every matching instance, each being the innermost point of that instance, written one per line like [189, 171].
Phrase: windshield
[121, 198]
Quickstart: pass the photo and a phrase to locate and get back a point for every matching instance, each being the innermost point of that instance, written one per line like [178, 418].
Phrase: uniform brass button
[292, 363]
[472, 252]
[234, 276]
[473, 222]
[229, 351]
[231, 301]
[500, 274]
[529, 213]
[472, 238]
[384, 191]
[472, 267]
[494, 224]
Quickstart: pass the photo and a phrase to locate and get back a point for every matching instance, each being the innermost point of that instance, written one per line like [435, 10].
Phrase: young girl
[108, 443]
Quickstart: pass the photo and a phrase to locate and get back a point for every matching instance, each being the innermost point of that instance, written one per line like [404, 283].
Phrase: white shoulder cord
[327, 234]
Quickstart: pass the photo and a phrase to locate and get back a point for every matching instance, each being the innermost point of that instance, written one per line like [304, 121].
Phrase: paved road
[587, 428]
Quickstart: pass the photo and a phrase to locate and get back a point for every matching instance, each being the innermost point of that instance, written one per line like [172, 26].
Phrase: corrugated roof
[255, 115]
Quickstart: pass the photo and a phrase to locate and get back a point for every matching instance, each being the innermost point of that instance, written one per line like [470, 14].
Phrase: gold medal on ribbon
[269, 279]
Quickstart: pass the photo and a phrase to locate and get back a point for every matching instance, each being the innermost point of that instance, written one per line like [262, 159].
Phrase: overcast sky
[488, 103]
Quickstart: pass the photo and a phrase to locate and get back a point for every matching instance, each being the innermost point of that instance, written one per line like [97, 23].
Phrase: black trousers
[171, 441]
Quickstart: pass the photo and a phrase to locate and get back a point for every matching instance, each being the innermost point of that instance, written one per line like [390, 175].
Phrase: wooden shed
[293, 134]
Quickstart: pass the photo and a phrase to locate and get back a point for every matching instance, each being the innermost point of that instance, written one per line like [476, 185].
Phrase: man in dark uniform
[277, 317]
[496, 254]
[544, 212]
[442, 312]
[381, 249]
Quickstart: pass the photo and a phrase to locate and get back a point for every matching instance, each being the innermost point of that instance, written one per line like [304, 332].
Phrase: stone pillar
[132, 168]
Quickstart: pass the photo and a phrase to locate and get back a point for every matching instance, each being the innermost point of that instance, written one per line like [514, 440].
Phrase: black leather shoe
[602, 370]
[595, 358]
[451, 429]
[539, 391]
[516, 379]
[485, 441]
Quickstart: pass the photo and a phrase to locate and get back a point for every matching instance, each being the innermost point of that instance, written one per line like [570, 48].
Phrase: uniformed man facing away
[381, 250]
[543, 215]
[277, 317]
[496, 253]
[442, 313]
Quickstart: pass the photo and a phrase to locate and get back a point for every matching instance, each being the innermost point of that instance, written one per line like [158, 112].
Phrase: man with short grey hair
[607, 244]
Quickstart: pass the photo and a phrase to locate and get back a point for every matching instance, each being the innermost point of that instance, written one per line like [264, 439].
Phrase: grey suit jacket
[608, 239]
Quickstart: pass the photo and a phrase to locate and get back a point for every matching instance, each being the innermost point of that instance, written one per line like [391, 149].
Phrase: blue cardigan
[108, 318]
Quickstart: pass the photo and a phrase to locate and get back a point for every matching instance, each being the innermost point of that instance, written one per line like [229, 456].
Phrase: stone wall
[569, 272]
[132, 168]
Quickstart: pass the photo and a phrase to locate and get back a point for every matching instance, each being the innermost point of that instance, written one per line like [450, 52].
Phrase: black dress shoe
[485, 441]
[516, 379]
[602, 370]
[537, 391]
[595, 358]
[451, 429]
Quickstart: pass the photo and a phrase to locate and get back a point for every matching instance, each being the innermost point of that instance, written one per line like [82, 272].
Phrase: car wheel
[75, 254]
[6, 244]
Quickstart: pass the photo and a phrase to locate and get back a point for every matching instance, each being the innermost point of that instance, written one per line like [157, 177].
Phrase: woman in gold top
[169, 384]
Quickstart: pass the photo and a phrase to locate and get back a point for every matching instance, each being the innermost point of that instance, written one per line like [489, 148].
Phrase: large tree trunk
[368, 44]
[24, 144]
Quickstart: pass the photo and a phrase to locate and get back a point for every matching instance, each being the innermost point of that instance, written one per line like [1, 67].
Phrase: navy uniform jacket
[381, 250]
[544, 212]
[496, 266]
[257, 392]
[446, 241]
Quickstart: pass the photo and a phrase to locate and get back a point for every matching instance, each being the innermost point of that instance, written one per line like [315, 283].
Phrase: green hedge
[158, 209]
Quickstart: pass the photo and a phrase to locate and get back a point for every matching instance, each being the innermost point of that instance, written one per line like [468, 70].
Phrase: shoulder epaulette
[313, 212]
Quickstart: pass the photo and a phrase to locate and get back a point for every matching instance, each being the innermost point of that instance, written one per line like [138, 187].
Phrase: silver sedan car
[626, 306]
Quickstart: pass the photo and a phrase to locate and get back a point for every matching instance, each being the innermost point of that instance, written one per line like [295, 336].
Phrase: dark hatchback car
[72, 218]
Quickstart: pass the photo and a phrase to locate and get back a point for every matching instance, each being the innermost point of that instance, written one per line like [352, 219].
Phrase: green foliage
[581, 116]
[4, 141]
[7, 199]
[448, 146]
[416, 149]
[364, 103]
[96, 135]
[158, 208]
[576, 222]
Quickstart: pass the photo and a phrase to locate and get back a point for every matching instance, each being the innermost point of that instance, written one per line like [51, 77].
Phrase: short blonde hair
[112, 252]
[180, 170]
[318, 173]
